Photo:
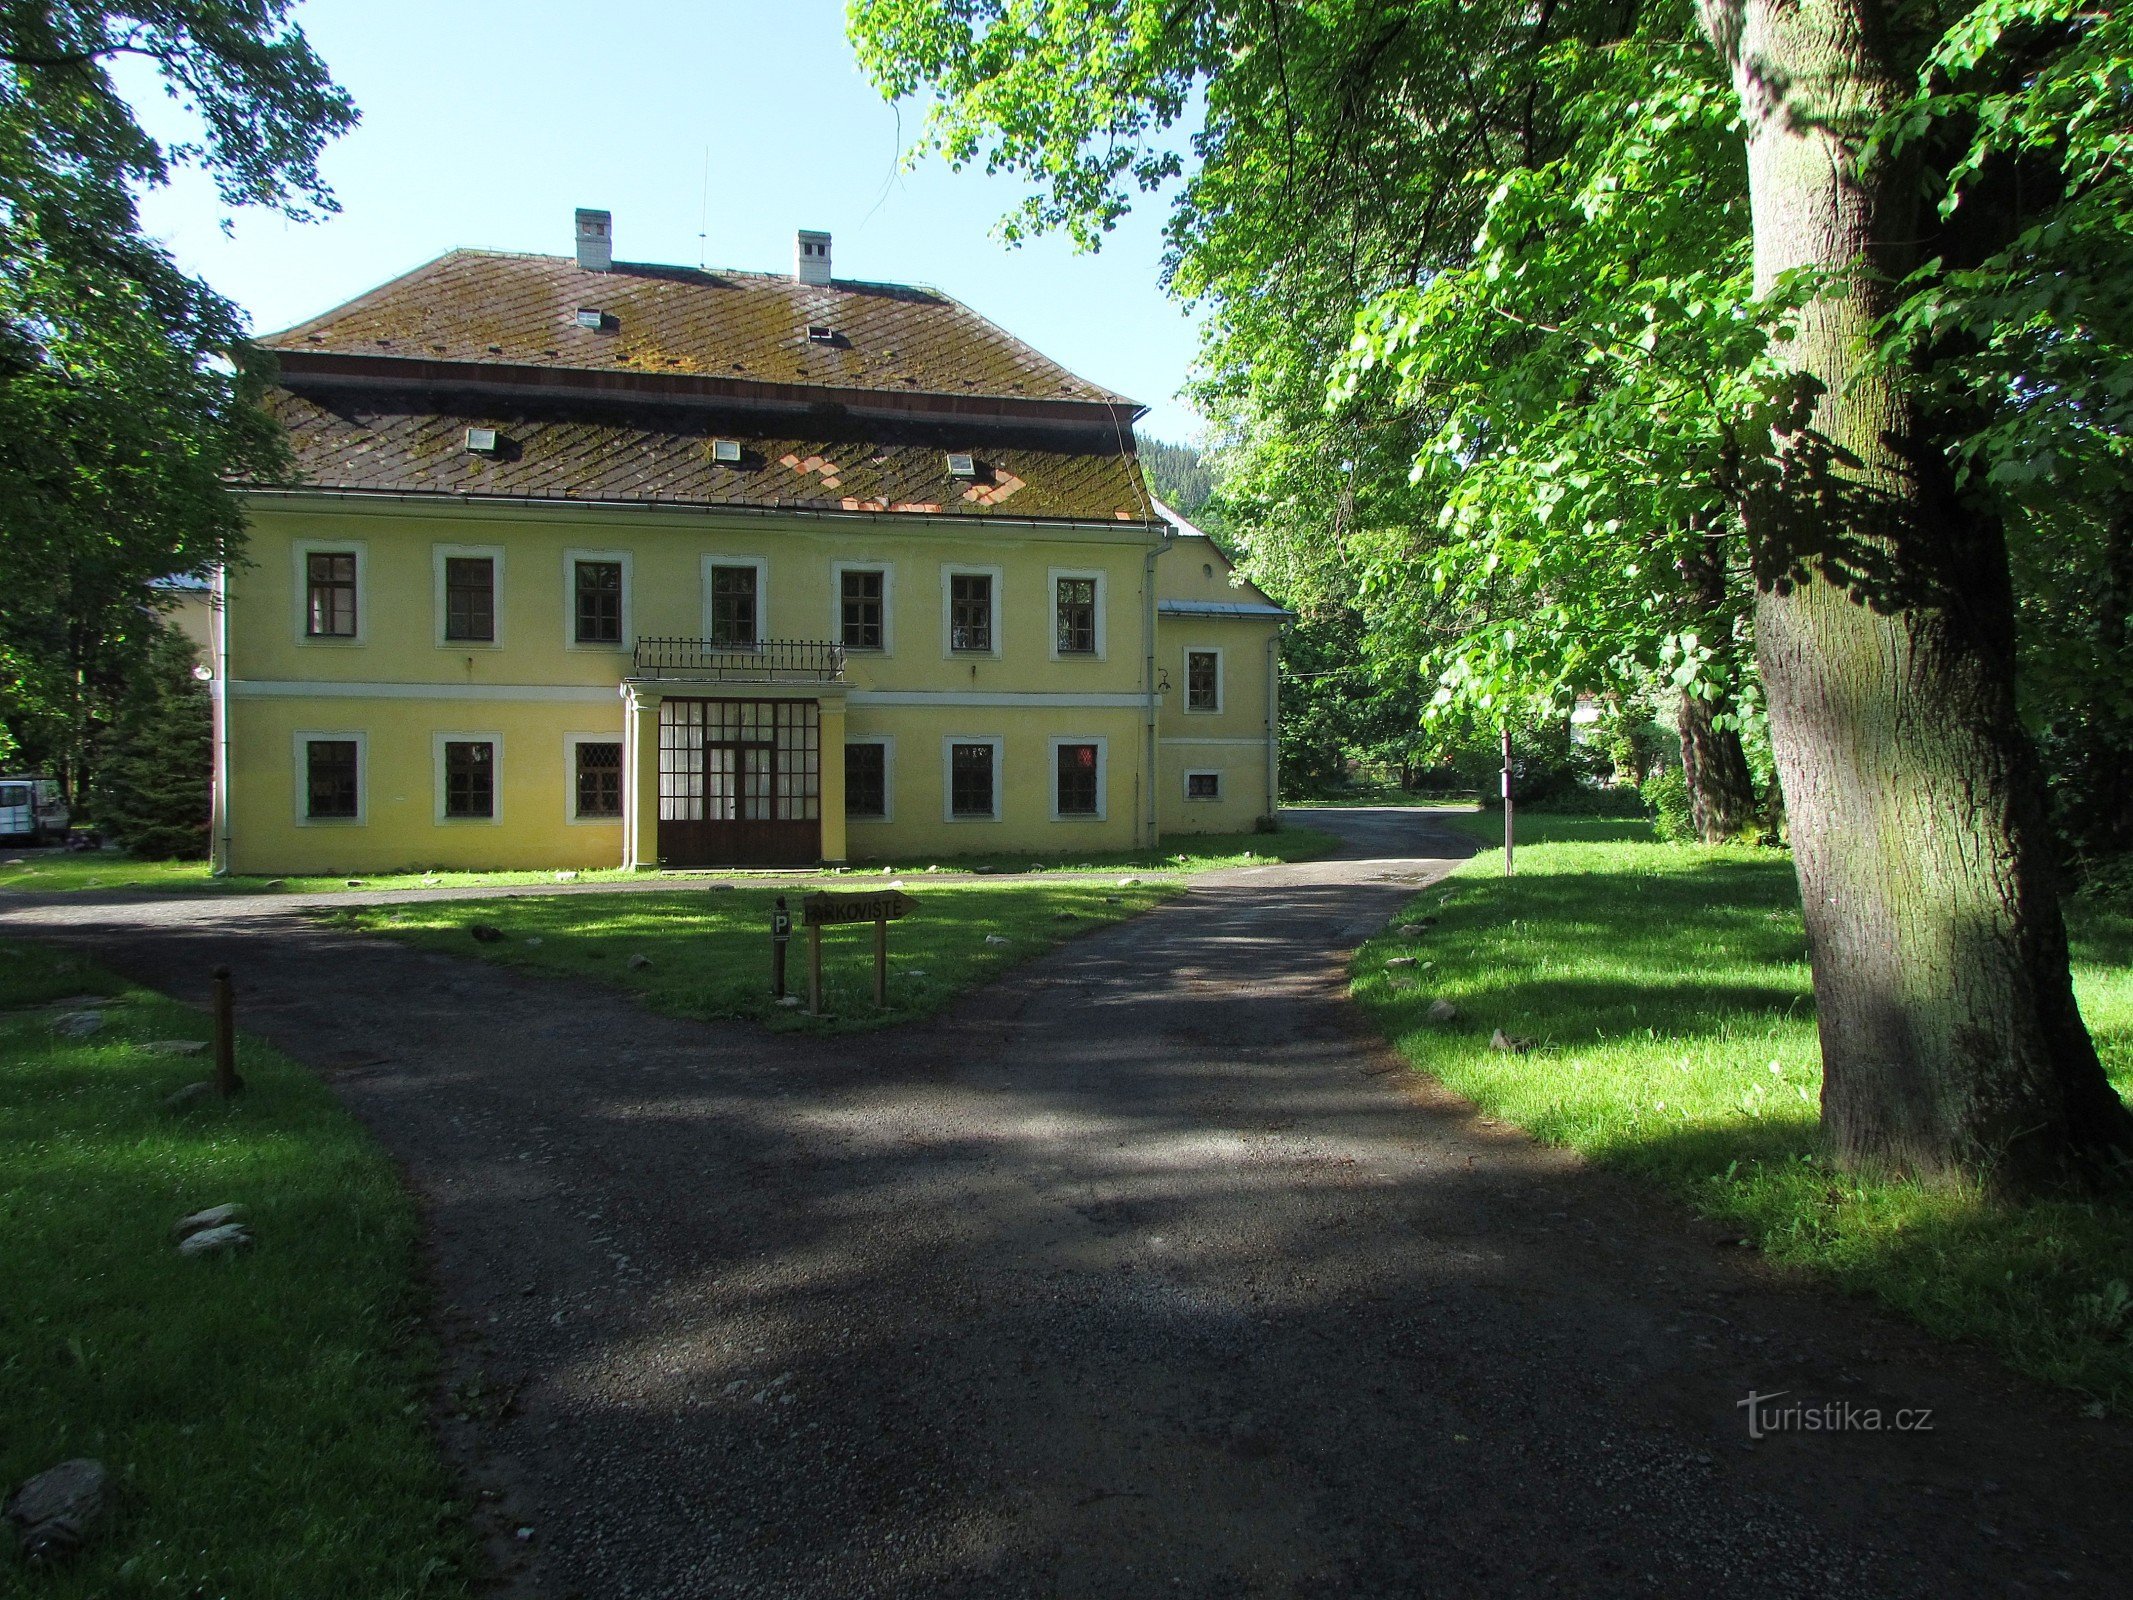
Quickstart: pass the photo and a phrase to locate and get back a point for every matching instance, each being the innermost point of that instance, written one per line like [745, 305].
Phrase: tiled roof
[414, 442]
[498, 309]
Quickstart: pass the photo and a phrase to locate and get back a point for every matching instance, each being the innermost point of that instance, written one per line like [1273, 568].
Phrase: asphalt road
[1141, 1273]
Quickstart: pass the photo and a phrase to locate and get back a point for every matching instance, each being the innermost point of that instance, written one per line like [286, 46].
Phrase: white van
[32, 808]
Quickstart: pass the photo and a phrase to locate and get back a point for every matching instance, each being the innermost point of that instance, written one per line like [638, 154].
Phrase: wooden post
[814, 971]
[227, 1082]
[881, 963]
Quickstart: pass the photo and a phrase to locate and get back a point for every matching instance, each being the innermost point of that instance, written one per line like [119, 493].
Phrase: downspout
[1149, 794]
[1273, 725]
[219, 701]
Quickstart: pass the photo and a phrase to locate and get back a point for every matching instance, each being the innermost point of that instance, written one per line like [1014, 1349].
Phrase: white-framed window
[469, 595]
[1203, 679]
[863, 605]
[332, 590]
[469, 773]
[736, 601]
[596, 600]
[1203, 785]
[970, 611]
[869, 777]
[1080, 778]
[1078, 621]
[593, 789]
[332, 768]
[970, 777]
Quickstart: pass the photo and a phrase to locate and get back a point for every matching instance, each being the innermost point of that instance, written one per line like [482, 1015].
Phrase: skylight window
[821, 333]
[960, 465]
[481, 441]
[725, 449]
[590, 317]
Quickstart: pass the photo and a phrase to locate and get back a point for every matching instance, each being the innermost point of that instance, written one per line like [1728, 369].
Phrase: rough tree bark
[1713, 764]
[1951, 1044]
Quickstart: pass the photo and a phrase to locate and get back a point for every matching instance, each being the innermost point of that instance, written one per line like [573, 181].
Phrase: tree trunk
[1951, 1044]
[1721, 789]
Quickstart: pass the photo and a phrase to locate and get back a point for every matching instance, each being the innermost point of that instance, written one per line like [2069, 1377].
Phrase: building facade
[593, 564]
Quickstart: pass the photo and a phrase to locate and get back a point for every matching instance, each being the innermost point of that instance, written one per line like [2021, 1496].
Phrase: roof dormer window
[821, 333]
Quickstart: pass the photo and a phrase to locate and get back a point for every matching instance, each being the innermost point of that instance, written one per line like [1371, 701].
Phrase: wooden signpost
[819, 911]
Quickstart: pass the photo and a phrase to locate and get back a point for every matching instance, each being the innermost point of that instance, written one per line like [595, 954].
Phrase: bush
[1666, 793]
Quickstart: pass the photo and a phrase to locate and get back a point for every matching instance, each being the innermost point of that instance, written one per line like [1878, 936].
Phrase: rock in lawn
[566, 877]
[54, 1512]
[1443, 1011]
[915, 972]
[533, 943]
[1409, 930]
[1499, 1040]
[275, 883]
[79, 1024]
[1400, 961]
[1036, 866]
[485, 933]
[638, 963]
[201, 1221]
[191, 1095]
[997, 939]
[1129, 883]
[1114, 899]
[216, 1241]
[789, 1001]
[1066, 916]
[175, 1047]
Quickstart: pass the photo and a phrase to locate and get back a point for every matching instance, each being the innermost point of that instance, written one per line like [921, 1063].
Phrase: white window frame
[300, 747]
[496, 792]
[887, 741]
[887, 569]
[571, 741]
[439, 555]
[1103, 627]
[762, 595]
[571, 558]
[999, 769]
[1201, 772]
[1103, 778]
[300, 550]
[1185, 683]
[950, 571]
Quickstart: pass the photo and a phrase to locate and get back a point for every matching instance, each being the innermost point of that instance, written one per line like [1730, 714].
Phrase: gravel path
[1139, 1274]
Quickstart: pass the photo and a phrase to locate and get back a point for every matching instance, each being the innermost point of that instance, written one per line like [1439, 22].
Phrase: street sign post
[819, 911]
[780, 937]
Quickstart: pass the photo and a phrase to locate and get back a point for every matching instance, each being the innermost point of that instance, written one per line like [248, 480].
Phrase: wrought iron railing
[772, 661]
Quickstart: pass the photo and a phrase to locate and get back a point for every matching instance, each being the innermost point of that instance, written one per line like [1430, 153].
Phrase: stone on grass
[216, 1241]
[175, 1047]
[1499, 1040]
[191, 1095]
[533, 942]
[788, 1000]
[485, 933]
[54, 1512]
[997, 939]
[275, 883]
[638, 963]
[79, 1024]
[1400, 961]
[1129, 883]
[566, 877]
[1408, 930]
[201, 1221]
[1443, 1011]
[1036, 866]
[1066, 916]
[915, 972]
[1114, 899]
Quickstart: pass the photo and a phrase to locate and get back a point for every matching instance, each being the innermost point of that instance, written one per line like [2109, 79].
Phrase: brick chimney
[811, 257]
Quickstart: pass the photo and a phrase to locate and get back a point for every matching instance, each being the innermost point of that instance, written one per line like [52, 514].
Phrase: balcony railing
[772, 661]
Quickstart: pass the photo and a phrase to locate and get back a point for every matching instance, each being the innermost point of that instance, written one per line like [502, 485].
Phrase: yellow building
[591, 563]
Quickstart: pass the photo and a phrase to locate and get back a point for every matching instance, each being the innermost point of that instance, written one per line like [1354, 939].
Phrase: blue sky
[486, 124]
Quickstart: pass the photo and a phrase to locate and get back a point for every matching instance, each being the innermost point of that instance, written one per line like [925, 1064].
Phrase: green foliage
[155, 770]
[1666, 989]
[264, 1417]
[1179, 476]
[124, 406]
[1666, 792]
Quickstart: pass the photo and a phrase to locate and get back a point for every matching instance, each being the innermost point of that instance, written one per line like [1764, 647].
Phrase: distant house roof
[493, 309]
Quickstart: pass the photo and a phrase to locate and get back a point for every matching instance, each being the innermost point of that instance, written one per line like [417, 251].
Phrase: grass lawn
[1666, 990]
[112, 870]
[263, 1416]
[709, 948]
